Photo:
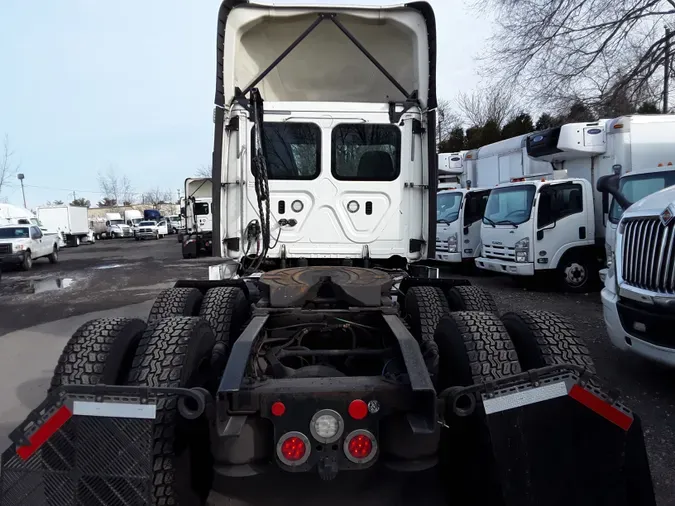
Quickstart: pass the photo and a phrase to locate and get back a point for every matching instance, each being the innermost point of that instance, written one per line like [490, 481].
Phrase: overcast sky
[88, 84]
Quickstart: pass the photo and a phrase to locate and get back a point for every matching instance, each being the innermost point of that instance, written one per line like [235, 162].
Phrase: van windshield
[510, 205]
[292, 150]
[638, 187]
[117, 222]
[447, 207]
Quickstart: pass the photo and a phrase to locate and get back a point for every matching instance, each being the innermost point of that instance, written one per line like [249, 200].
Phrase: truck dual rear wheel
[100, 351]
[474, 347]
[176, 302]
[471, 298]
[226, 309]
[425, 307]
[542, 338]
[175, 352]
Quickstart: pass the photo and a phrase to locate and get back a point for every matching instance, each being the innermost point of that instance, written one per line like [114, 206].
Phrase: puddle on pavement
[34, 286]
[112, 266]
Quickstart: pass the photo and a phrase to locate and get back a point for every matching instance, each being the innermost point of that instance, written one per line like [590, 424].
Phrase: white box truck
[71, 222]
[558, 227]
[502, 161]
[115, 226]
[133, 217]
[450, 170]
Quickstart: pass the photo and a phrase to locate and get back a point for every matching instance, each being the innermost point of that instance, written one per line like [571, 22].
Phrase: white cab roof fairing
[326, 65]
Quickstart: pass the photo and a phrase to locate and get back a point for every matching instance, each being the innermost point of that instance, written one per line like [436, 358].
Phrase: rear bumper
[512, 268]
[629, 339]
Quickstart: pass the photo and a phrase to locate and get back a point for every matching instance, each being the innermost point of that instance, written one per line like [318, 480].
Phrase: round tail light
[293, 448]
[360, 446]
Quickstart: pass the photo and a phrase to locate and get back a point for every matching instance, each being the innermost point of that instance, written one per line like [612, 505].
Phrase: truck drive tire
[226, 309]
[176, 302]
[471, 298]
[542, 338]
[27, 262]
[425, 307]
[100, 351]
[474, 348]
[174, 352]
[54, 257]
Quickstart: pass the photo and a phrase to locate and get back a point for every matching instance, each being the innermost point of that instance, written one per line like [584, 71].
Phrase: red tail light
[293, 448]
[360, 446]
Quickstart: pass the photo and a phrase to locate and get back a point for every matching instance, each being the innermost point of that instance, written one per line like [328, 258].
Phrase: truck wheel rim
[575, 274]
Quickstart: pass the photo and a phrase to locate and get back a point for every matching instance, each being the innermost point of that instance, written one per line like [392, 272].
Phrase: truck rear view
[330, 382]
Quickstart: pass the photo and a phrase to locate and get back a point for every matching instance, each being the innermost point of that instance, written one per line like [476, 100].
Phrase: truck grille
[649, 254]
[441, 246]
[499, 252]
[145, 230]
[5, 249]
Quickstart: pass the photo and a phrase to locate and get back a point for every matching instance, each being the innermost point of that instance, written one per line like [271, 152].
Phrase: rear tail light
[293, 448]
[360, 446]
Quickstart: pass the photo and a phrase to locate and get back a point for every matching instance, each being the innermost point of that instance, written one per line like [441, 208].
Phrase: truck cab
[458, 222]
[535, 226]
[636, 185]
[347, 159]
[638, 298]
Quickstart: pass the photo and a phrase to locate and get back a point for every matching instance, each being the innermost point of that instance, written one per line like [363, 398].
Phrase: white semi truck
[71, 222]
[638, 298]
[296, 385]
[115, 226]
[556, 226]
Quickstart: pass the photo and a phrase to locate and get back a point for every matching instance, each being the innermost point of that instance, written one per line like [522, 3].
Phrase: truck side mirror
[610, 185]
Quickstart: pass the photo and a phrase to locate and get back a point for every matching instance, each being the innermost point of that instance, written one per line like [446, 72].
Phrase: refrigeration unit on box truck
[569, 236]
[71, 222]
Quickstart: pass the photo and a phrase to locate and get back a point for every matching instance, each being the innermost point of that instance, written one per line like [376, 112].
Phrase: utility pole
[441, 118]
[20, 177]
[666, 72]
[74, 196]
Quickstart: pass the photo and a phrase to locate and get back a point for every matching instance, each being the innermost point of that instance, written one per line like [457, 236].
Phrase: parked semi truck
[71, 222]
[352, 372]
[197, 238]
[116, 227]
[639, 294]
[557, 227]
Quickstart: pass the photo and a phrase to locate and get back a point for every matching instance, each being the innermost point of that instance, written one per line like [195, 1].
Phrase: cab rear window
[292, 150]
[366, 152]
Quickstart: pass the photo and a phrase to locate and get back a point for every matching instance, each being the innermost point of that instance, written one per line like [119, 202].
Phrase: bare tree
[204, 171]
[490, 105]
[596, 51]
[8, 168]
[156, 196]
[447, 120]
[115, 187]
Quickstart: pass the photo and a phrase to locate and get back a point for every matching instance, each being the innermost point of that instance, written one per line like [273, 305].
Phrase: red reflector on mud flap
[47, 430]
[601, 407]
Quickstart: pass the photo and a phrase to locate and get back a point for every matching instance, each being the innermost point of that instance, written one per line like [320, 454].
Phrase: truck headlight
[523, 250]
[609, 255]
[452, 243]
[19, 247]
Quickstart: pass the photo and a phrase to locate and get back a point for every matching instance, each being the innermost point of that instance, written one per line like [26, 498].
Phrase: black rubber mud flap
[474, 348]
[78, 449]
[556, 443]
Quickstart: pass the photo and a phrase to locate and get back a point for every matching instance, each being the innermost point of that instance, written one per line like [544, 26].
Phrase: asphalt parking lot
[41, 307]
